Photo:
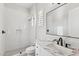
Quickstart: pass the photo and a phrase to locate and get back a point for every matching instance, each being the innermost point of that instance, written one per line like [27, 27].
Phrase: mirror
[63, 20]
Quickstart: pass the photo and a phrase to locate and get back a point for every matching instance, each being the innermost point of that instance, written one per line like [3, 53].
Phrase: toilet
[30, 51]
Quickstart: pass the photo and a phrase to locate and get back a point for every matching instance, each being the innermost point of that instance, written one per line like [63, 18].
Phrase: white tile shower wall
[16, 19]
[42, 30]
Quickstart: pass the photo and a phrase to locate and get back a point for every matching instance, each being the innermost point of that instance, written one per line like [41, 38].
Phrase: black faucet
[60, 41]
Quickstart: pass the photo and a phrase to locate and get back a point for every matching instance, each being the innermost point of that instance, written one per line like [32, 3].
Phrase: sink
[59, 50]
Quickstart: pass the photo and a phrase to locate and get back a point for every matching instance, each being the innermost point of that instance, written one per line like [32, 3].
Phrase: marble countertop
[55, 49]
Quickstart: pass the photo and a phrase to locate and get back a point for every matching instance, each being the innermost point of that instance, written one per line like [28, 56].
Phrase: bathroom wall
[16, 25]
[73, 22]
[1, 27]
[73, 31]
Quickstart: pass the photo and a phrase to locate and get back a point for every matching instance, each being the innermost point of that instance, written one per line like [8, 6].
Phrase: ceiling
[29, 5]
[73, 5]
[23, 5]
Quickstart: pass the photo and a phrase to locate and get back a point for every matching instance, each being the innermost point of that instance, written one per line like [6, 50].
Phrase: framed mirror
[63, 20]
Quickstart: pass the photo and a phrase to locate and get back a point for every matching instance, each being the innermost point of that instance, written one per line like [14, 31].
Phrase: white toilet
[30, 51]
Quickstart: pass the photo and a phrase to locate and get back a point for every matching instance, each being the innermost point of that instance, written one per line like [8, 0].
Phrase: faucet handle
[67, 45]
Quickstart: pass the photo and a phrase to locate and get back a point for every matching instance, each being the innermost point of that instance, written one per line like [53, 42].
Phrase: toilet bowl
[30, 51]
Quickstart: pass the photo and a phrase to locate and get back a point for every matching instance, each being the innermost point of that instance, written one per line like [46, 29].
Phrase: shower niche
[63, 20]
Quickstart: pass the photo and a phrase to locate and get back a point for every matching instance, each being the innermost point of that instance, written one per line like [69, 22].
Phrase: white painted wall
[16, 18]
[73, 22]
[1, 27]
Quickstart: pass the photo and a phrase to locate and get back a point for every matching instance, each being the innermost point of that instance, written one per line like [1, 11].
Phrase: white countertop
[50, 49]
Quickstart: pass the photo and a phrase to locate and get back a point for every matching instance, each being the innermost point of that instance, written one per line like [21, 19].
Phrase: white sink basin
[54, 48]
